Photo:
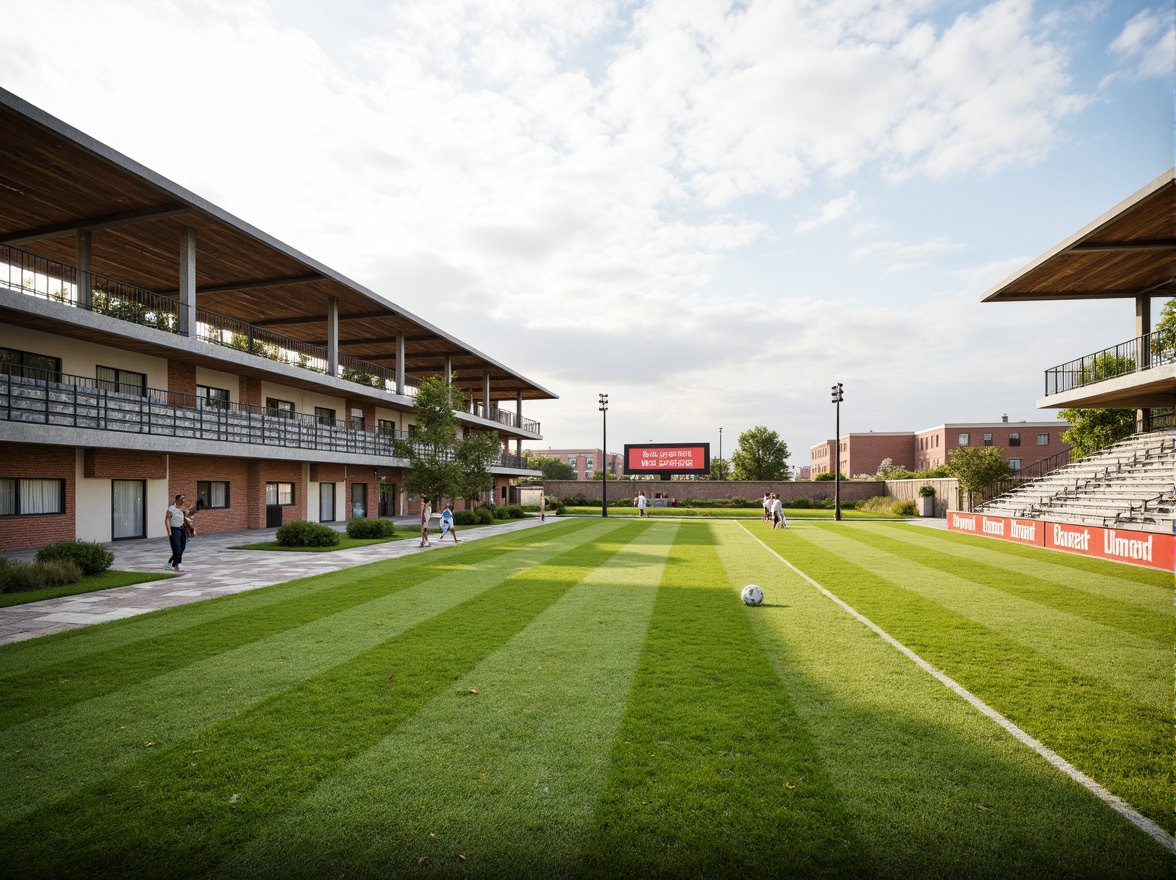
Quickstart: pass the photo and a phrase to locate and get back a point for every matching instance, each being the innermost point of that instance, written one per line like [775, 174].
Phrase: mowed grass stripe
[714, 775]
[1126, 617]
[1081, 566]
[1116, 581]
[59, 752]
[75, 649]
[506, 777]
[934, 788]
[1117, 741]
[197, 801]
[1137, 668]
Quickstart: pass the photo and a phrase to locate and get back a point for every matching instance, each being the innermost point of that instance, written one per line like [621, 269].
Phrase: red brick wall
[250, 391]
[125, 464]
[328, 473]
[262, 472]
[865, 452]
[46, 462]
[181, 381]
[368, 409]
[708, 489]
[187, 470]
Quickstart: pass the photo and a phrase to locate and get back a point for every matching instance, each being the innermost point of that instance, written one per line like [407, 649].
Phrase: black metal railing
[42, 397]
[59, 282]
[1132, 356]
[1026, 474]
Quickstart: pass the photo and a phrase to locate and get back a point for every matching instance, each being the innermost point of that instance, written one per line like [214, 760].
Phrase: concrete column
[519, 416]
[187, 322]
[333, 336]
[448, 369]
[1143, 328]
[400, 363]
[485, 395]
[85, 283]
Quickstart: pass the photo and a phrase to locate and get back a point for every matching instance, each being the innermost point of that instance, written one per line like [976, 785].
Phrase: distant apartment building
[585, 462]
[1024, 444]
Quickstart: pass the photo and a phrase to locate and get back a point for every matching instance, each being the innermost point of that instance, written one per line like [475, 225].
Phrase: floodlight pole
[722, 464]
[837, 397]
[604, 456]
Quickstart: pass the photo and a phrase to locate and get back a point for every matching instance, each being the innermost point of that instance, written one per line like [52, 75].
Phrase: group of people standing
[774, 511]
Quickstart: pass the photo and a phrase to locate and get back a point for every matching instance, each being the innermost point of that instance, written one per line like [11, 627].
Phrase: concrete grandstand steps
[1130, 484]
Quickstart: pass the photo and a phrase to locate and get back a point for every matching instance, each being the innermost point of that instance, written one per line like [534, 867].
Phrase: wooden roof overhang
[1127, 252]
[56, 181]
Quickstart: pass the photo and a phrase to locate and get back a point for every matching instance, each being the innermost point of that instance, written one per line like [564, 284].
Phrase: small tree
[1092, 429]
[761, 455]
[977, 467]
[1163, 340]
[720, 469]
[475, 455]
[552, 468]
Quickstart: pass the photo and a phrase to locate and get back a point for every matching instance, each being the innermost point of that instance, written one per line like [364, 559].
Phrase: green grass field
[591, 699]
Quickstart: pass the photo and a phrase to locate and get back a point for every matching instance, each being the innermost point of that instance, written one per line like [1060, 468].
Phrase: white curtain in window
[127, 509]
[218, 494]
[40, 496]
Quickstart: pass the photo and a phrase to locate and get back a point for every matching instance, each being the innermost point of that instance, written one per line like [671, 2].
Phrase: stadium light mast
[604, 455]
[837, 398]
[722, 464]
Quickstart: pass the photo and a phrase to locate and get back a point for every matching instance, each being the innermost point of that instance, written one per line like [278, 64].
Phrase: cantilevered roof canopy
[1127, 252]
[56, 181]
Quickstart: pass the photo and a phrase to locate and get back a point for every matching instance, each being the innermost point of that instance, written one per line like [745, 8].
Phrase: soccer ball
[752, 595]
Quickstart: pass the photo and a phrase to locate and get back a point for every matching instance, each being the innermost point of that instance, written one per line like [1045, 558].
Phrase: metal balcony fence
[58, 282]
[1132, 356]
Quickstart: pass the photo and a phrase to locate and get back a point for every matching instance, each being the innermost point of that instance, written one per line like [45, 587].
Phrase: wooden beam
[317, 319]
[232, 286]
[95, 224]
[1095, 247]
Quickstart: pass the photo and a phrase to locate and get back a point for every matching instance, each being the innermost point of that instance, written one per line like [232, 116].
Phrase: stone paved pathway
[214, 570]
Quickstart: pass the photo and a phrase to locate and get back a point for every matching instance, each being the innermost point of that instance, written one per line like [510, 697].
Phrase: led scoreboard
[665, 459]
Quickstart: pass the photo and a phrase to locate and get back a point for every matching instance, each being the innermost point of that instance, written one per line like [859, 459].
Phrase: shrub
[301, 533]
[877, 504]
[362, 527]
[557, 508]
[926, 491]
[904, 508]
[515, 511]
[60, 572]
[484, 515]
[799, 503]
[499, 512]
[89, 556]
[21, 577]
[465, 518]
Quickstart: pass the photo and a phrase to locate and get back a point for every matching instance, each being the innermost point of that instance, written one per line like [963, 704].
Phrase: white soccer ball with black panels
[752, 595]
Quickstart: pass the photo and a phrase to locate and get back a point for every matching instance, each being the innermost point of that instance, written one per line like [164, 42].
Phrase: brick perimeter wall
[23, 460]
[712, 489]
[126, 464]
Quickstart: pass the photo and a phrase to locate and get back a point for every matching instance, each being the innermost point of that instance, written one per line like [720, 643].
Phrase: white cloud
[830, 212]
[1146, 47]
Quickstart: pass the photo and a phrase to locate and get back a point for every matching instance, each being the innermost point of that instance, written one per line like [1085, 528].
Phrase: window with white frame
[1015, 464]
[1043, 439]
[962, 440]
[1014, 439]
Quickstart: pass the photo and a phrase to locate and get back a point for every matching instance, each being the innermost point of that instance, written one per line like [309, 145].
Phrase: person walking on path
[641, 502]
[767, 502]
[542, 507]
[176, 522]
[447, 526]
[426, 512]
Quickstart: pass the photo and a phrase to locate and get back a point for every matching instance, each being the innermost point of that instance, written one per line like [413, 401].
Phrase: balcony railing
[42, 398]
[52, 280]
[1132, 356]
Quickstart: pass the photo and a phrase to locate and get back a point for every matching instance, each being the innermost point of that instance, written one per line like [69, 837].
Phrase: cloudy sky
[709, 210]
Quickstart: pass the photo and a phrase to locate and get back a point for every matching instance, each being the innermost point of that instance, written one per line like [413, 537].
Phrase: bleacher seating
[1130, 484]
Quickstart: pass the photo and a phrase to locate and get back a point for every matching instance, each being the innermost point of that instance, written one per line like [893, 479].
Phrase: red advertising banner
[667, 458]
[1147, 549]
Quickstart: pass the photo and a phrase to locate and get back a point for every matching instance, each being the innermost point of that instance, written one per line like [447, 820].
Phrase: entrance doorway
[326, 502]
[358, 500]
[388, 499]
[128, 509]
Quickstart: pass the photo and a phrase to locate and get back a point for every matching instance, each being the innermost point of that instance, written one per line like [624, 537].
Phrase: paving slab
[213, 570]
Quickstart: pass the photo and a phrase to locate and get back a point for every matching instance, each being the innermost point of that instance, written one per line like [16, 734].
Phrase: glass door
[128, 510]
[326, 502]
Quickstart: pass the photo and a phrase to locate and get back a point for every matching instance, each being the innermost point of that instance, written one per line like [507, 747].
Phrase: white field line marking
[1115, 803]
